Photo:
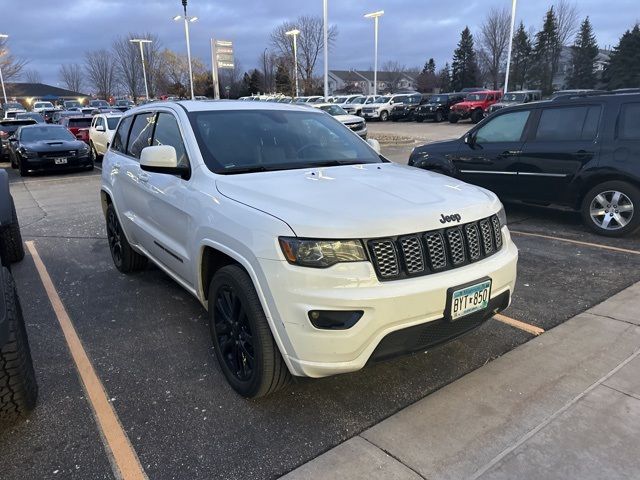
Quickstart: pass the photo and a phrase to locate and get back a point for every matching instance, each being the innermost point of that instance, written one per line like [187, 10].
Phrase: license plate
[60, 161]
[470, 299]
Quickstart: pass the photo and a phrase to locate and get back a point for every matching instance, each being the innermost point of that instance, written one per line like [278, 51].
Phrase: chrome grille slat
[473, 241]
[437, 255]
[413, 254]
[487, 236]
[386, 258]
[456, 246]
[497, 231]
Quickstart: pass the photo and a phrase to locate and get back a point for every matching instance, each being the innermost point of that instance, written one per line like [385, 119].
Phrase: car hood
[53, 145]
[348, 118]
[507, 104]
[464, 105]
[359, 201]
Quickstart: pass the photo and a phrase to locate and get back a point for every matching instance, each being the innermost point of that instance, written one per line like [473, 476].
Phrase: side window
[99, 122]
[140, 136]
[628, 125]
[504, 128]
[119, 143]
[568, 124]
[168, 133]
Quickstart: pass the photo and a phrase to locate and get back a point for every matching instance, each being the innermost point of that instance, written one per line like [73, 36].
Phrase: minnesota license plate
[470, 299]
[60, 161]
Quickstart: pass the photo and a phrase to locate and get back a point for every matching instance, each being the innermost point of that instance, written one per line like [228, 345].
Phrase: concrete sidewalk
[564, 405]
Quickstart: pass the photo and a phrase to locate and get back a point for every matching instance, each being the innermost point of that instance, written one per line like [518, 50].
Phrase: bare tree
[310, 45]
[152, 60]
[493, 43]
[128, 65]
[269, 61]
[567, 17]
[395, 71]
[71, 76]
[101, 72]
[32, 76]
[11, 66]
[173, 72]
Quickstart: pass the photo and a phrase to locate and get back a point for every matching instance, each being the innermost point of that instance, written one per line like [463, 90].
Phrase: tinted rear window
[569, 124]
[80, 122]
[629, 123]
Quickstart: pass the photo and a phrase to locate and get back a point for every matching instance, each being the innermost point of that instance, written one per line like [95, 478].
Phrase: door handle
[510, 153]
[143, 177]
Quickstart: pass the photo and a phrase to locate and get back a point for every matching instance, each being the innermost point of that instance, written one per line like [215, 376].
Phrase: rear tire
[11, 247]
[18, 387]
[125, 258]
[612, 209]
[244, 346]
[438, 117]
[453, 118]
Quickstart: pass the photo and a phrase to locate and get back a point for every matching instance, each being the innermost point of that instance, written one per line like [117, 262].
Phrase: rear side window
[140, 136]
[568, 124]
[119, 143]
[80, 122]
[168, 133]
[629, 122]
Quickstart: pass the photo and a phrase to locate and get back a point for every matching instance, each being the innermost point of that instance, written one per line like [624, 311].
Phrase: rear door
[562, 144]
[490, 157]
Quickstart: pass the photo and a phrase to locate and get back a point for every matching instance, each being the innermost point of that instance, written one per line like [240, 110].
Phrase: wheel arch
[586, 185]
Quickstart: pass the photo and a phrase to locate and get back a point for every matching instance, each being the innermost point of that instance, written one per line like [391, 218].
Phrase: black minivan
[578, 151]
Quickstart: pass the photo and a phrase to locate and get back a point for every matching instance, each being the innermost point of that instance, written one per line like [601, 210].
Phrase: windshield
[333, 110]
[36, 134]
[112, 122]
[355, 100]
[439, 99]
[340, 100]
[475, 97]
[9, 105]
[99, 103]
[383, 100]
[35, 116]
[43, 105]
[71, 104]
[514, 97]
[261, 140]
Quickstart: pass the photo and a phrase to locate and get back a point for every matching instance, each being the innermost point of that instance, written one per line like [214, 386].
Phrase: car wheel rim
[233, 334]
[114, 234]
[611, 210]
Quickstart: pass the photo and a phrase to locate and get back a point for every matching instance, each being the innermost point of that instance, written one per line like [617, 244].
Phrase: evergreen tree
[546, 53]
[430, 67]
[583, 57]
[256, 81]
[623, 70]
[427, 79]
[464, 69]
[520, 59]
[444, 79]
[283, 80]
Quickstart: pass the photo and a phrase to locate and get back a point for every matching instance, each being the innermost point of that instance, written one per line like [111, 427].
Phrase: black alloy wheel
[439, 117]
[114, 235]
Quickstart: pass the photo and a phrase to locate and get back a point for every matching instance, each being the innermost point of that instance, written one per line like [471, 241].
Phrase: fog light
[335, 319]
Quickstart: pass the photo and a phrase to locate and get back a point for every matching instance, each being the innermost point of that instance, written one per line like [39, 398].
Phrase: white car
[42, 106]
[345, 99]
[12, 109]
[355, 124]
[381, 108]
[355, 106]
[101, 131]
[312, 254]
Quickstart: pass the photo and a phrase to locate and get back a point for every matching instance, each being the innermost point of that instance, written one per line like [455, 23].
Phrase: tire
[438, 117]
[94, 154]
[23, 170]
[617, 219]
[125, 258]
[12, 159]
[476, 116]
[11, 247]
[18, 387]
[453, 118]
[239, 328]
[419, 119]
[384, 116]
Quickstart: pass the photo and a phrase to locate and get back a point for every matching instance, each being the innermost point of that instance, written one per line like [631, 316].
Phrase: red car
[474, 105]
[79, 126]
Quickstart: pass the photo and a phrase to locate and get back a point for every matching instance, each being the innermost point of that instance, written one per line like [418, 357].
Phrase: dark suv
[580, 151]
[438, 106]
[406, 109]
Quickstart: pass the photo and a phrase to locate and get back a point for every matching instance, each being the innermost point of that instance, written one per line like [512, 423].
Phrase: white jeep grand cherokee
[312, 253]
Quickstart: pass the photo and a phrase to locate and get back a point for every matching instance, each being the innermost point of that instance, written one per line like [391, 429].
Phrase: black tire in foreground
[244, 346]
[125, 258]
[18, 387]
[11, 247]
[612, 209]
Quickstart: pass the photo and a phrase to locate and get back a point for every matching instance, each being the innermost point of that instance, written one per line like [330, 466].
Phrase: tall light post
[376, 19]
[294, 33]
[187, 20]
[325, 15]
[513, 22]
[140, 41]
[4, 92]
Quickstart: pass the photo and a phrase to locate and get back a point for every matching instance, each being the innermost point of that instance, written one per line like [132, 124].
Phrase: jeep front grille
[435, 251]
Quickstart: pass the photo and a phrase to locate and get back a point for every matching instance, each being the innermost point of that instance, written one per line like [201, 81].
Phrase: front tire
[453, 118]
[384, 116]
[439, 117]
[125, 258]
[244, 346]
[18, 387]
[11, 247]
[612, 209]
[476, 116]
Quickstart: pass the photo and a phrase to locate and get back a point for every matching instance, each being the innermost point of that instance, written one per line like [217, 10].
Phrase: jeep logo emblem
[450, 218]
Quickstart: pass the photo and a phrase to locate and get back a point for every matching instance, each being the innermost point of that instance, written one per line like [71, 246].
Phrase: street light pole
[376, 18]
[4, 92]
[294, 34]
[140, 41]
[187, 21]
[513, 22]
[325, 10]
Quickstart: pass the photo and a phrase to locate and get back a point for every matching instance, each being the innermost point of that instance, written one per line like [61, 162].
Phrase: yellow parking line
[125, 461]
[578, 242]
[532, 329]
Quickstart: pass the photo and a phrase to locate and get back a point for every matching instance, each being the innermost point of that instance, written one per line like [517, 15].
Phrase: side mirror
[470, 139]
[375, 144]
[100, 128]
[162, 159]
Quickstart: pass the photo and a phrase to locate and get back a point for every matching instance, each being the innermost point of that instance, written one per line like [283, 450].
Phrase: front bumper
[400, 114]
[374, 114]
[388, 307]
[41, 164]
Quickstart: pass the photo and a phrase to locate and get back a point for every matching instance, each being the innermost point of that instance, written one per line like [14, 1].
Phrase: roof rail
[595, 93]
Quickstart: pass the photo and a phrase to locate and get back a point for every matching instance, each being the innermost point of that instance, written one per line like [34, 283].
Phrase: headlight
[27, 153]
[321, 253]
[84, 149]
[502, 216]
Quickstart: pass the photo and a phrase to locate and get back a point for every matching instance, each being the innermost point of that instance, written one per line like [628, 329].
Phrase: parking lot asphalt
[149, 343]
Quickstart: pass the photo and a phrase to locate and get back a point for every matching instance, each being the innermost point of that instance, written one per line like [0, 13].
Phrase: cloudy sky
[49, 33]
